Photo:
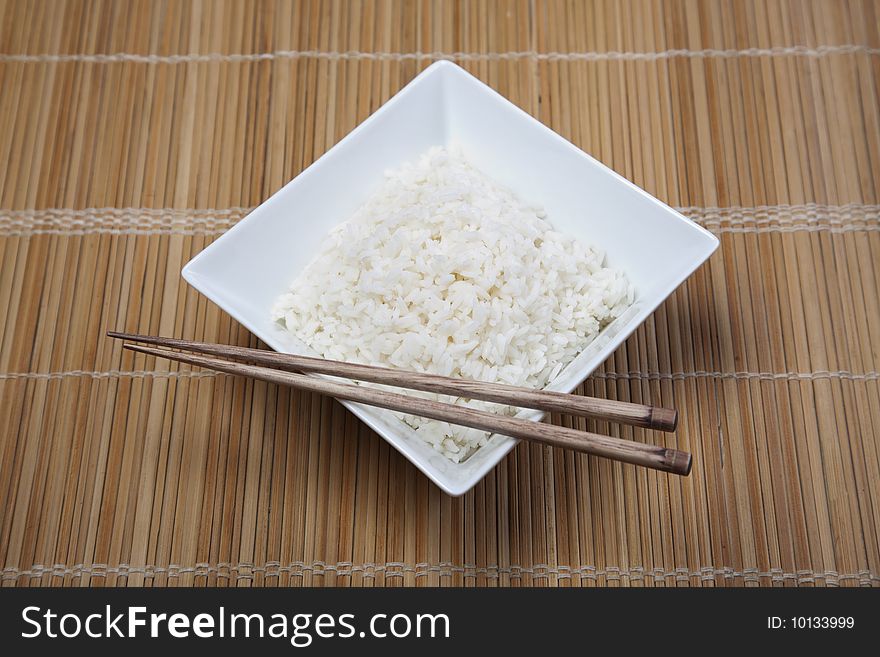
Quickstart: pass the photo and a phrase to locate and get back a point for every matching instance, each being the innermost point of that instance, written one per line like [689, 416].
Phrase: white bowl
[244, 270]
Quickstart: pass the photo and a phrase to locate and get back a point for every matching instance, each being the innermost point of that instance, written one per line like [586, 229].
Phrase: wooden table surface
[132, 134]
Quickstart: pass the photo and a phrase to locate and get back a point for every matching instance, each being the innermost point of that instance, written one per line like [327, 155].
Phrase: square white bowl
[245, 269]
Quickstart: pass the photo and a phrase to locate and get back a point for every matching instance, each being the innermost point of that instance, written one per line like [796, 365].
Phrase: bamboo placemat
[133, 133]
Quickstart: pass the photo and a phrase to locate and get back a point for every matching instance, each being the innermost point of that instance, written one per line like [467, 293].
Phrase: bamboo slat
[134, 133]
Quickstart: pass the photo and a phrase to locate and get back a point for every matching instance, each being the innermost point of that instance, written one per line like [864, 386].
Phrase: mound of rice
[443, 270]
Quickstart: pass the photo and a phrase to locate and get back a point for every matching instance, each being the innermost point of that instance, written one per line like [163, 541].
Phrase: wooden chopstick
[650, 456]
[649, 417]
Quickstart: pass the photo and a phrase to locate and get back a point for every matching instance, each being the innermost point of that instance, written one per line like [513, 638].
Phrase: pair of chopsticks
[284, 369]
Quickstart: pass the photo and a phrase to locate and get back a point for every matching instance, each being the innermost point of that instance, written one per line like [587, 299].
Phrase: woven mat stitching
[647, 376]
[586, 56]
[156, 221]
[445, 569]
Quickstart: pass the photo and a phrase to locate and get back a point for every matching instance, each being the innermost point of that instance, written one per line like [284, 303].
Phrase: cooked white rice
[443, 270]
